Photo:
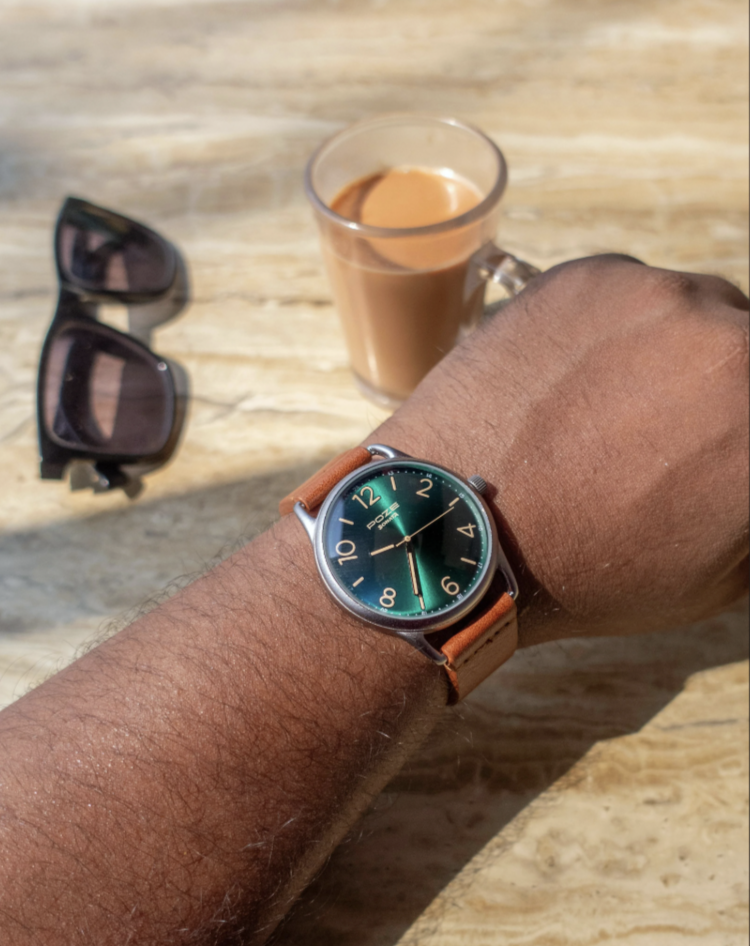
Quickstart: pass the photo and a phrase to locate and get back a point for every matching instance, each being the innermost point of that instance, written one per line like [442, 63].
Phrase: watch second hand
[414, 576]
[408, 538]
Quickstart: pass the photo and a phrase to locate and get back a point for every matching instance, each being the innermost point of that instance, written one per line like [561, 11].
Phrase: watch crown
[478, 483]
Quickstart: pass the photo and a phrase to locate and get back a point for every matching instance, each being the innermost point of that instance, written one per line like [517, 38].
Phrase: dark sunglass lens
[101, 251]
[106, 395]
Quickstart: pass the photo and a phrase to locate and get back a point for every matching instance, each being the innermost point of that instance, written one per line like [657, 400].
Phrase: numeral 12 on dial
[371, 499]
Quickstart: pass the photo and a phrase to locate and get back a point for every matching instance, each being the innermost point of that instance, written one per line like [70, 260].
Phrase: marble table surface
[590, 792]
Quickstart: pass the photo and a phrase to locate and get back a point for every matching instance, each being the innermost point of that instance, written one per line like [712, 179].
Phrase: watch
[411, 549]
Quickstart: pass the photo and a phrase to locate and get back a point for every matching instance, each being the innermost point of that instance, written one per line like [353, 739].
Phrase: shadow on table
[516, 737]
[522, 732]
[59, 581]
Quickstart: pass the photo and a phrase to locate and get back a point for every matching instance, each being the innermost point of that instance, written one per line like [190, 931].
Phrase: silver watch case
[412, 630]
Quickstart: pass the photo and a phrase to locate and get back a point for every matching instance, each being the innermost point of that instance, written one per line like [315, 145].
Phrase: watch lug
[504, 568]
[390, 453]
[420, 643]
[306, 519]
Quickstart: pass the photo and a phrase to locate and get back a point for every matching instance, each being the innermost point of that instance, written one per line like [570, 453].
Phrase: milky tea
[403, 301]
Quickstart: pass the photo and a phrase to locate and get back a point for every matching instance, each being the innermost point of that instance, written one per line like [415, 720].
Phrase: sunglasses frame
[77, 306]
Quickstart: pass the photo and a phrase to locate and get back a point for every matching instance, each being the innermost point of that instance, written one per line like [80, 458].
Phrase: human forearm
[192, 772]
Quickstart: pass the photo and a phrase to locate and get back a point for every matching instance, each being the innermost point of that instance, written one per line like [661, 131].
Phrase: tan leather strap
[313, 491]
[481, 648]
[476, 646]
[480, 644]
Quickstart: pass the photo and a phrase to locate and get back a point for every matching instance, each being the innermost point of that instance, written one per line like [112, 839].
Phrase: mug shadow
[520, 735]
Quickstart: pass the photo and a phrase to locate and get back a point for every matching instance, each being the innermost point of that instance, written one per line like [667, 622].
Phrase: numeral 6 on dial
[451, 588]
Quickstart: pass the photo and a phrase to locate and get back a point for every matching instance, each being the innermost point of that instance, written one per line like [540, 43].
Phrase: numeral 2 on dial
[425, 490]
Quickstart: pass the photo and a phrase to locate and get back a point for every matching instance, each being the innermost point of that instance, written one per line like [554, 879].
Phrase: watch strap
[476, 646]
[315, 489]
[482, 642]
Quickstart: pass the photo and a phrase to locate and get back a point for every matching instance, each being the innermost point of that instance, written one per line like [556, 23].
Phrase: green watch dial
[408, 540]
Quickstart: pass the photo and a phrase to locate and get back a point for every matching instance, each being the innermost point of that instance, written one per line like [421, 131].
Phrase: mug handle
[498, 266]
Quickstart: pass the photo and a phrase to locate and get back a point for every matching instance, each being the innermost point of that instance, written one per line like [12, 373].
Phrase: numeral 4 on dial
[468, 530]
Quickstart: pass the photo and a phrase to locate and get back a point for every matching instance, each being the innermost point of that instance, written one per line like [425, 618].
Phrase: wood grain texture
[590, 792]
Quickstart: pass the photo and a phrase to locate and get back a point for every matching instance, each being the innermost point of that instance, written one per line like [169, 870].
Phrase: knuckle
[581, 273]
[583, 281]
[726, 291]
[669, 288]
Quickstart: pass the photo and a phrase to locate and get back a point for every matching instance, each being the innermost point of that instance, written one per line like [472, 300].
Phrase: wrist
[322, 629]
[239, 730]
[518, 518]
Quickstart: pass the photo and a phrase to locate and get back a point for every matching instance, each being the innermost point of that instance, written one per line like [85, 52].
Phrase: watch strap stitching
[483, 645]
[470, 654]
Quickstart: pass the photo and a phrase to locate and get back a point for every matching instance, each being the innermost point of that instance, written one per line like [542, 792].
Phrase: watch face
[404, 543]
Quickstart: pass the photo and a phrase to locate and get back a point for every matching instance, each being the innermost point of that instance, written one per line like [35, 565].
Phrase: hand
[608, 406]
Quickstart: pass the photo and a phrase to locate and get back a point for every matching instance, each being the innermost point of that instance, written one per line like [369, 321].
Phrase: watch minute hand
[414, 574]
[408, 538]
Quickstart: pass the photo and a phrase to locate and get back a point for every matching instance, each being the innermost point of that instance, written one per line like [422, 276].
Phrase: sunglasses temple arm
[103, 477]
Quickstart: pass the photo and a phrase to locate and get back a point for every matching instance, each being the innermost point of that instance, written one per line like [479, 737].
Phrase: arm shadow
[519, 734]
[522, 732]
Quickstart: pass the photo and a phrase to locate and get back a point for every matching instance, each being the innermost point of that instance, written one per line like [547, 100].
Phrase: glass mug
[406, 295]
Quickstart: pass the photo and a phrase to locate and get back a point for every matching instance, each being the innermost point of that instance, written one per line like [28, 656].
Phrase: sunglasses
[109, 407]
